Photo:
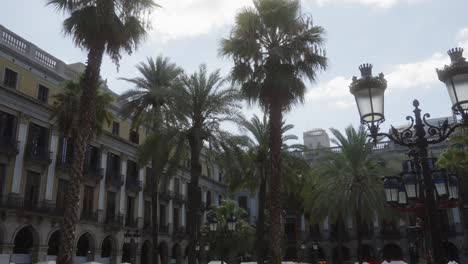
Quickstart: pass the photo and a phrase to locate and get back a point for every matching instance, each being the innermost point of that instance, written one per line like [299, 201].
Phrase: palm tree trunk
[83, 136]
[359, 237]
[154, 208]
[340, 241]
[195, 142]
[261, 217]
[276, 119]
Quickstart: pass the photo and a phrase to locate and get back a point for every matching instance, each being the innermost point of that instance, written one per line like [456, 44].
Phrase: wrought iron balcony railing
[115, 180]
[8, 146]
[38, 155]
[114, 219]
[94, 174]
[133, 184]
[89, 215]
[131, 222]
[164, 229]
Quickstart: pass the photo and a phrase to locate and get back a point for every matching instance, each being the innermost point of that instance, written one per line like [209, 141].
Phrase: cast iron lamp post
[229, 227]
[369, 94]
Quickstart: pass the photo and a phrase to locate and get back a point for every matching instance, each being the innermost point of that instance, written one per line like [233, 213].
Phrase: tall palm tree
[254, 174]
[97, 26]
[274, 47]
[66, 106]
[348, 183]
[205, 104]
[151, 103]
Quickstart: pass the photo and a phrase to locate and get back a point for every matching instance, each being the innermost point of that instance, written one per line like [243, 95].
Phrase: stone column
[170, 215]
[123, 170]
[140, 198]
[51, 169]
[18, 170]
[102, 185]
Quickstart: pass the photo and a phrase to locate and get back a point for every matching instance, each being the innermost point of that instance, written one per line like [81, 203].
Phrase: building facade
[35, 159]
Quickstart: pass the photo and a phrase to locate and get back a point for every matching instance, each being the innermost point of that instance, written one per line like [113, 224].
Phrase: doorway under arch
[24, 243]
[53, 245]
[145, 257]
[85, 249]
[451, 251]
[392, 252]
[107, 250]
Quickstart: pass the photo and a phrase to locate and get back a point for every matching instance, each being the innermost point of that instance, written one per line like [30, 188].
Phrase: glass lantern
[392, 188]
[440, 182]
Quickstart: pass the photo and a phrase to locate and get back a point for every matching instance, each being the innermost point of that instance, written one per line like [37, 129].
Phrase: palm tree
[255, 171]
[151, 103]
[347, 183]
[98, 26]
[66, 106]
[274, 47]
[205, 104]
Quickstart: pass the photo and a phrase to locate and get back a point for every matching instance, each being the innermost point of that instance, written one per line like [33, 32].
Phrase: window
[242, 202]
[62, 190]
[7, 126]
[147, 213]
[38, 140]
[162, 215]
[113, 166]
[92, 159]
[176, 218]
[132, 171]
[134, 137]
[88, 200]
[208, 199]
[130, 210]
[148, 179]
[177, 186]
[43, 94]
[115, 128]
[65, 151]
[110, 209]
[10, 78]
[220, 199]
[31, 193]
[2, 178]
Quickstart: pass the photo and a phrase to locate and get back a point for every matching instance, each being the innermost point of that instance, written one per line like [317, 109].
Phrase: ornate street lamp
[392, 188]
[453, 187]
[440, 181]
[369, 93]
[231, 223]
[455, 77]
[213, 224]
[411, 183]
[402, 197]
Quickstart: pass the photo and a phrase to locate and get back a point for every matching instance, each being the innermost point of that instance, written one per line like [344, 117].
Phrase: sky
[405, 39]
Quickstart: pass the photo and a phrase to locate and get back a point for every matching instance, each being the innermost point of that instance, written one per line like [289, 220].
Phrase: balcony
[89, 216]
[94, 174]
[18, 203]
[114, 220]
[133, 184]
[164, 229]
[38, 155]
[114, 180]
[147, 225]
[131, 222]
[8, 147]
[179, 198]
[179, 233]
[64, 162]
[166, 195]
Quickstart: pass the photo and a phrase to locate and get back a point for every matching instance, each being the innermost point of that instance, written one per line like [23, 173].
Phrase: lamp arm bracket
[397, 138]
[443, 132]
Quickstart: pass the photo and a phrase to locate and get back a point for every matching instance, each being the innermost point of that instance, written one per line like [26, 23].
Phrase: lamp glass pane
[402, 197]
[395, 192]
[370, 103]
[440, 182]
[453, 187]
[411, 185]
[461, 87]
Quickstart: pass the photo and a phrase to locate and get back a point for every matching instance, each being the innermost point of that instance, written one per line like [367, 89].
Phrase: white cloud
[374, 3]
[188, 18]
[401, 76]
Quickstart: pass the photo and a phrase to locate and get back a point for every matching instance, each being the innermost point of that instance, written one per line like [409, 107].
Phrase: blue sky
[404, 39]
